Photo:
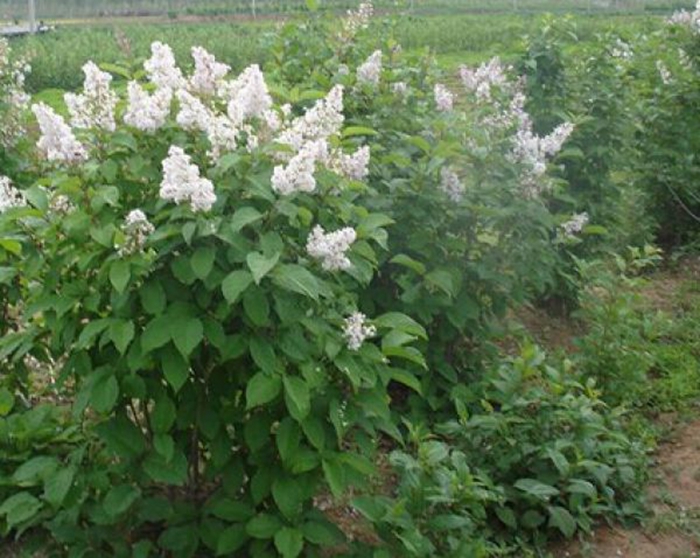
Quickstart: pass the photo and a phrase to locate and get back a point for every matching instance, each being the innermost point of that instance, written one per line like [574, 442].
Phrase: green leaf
[260, 265]
[120, 498]
[164, 445]
[231, 539]
[7, 274]
[296, 279]
[175, 369]
[537, 489]
[122, 437]
[163, 415]
[288, 437]
[351, 131]
[256, 306]
[263, 526]
[7, 402]
[235, 284]
[333, 472]
[288, 494]
[19, 508]
[156, 334]
[402, 322]
[244, 216]
[202, 261]
[122, 333]
[119, 275]
[561, 519]
[169, 472]
[152, 298]
[322, 533]
[105, 391]
[312, 5]
[34, 471]
[57, 486]
[263, 353]
[297, 397]
[186, 332]
[410, 263]
[262, 388]
[442, 280]
[289, 542]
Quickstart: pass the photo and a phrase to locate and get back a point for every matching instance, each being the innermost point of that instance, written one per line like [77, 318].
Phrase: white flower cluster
[60, 205]
[208, 73]
[370, 71]
[146, 112]
[451, 184]
[574, 225]
[57, 142]
[686, 18]
[357, 20]
[356, 330]
[399, 88]
[94, 107]
[355, 166]
[9, 195]
[532, 151]
[137, 228]
[14, 101]
[621, 50]
[444, 99]
[298, 174]
[330, 247]
[483, 79]
[320, 122]
[162, 69]
[183, 183]
[664, 72]
[247, 95]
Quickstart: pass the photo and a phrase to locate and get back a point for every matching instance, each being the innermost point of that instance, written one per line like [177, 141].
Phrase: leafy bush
[543, 457]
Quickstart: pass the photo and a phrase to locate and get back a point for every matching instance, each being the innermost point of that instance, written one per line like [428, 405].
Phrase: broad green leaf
[235, 284]
[333, 472]
[122, 333]
[297, 279]
[19, 508]
[244, 216]
[163, 415]
[169, 472]
[105, 391]
[7, 402]
[119, 275]
[297, 397]
[152, 298]
[156, 334]
[289, 542]
[402, 322]
[186, 332]
[57, 486]
[288, 438]
[536, 488]
[256, 306]
[288, 495]
[322, 533]
[120, 498]
[351, 131]
[231, 539]
[260, 265]
[312, 5]
[202, 261]
[410, 263]
[563, 520]
[35, 470]
[164, 445]
[175, 369]
[262, 388]
[263, 526]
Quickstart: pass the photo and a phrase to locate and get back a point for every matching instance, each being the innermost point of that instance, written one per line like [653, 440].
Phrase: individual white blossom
[208, 73]
[356, 330]
[331, 247]
[162, 69]
[400, 88]
[298, 174]
[137, 228]
[94, 107]
[664, 72]
[57, 142]
[10, 197]
[183, 183]
[370, 71]
[355, 166]
[444, 100]
[483, 79]
[451, 184]
[574, 225]
[247, 96]
[147, 112]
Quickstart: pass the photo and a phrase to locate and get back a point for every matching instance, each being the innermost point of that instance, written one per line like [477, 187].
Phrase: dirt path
[674, 529]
